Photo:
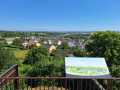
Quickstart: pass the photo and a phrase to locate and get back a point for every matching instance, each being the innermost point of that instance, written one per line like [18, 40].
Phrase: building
[9, 40]
[71, 44]
[57, 42]
[32, 37]
[25, 43]
[64, 53]
[49, 46]
[38, 44]
[64, 41]
[30, 43]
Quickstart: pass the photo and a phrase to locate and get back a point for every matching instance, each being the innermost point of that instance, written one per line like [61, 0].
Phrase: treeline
[5, 34]
[27, 34]
[77, 36]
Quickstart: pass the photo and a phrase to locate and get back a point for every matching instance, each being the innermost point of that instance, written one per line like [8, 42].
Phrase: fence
[60, 83]
[11, 72]
[10, 81]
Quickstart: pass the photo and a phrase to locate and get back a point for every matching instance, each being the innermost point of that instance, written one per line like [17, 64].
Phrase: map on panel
[86, 67]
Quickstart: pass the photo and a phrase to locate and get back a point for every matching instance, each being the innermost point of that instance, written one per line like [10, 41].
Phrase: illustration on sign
[86, 67]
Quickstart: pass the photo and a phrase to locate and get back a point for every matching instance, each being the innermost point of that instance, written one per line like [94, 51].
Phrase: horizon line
[52, 31]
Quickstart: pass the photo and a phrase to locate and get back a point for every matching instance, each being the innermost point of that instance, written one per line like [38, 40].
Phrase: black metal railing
[59, 83]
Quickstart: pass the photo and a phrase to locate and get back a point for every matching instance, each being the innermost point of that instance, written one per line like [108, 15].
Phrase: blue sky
[60, 15]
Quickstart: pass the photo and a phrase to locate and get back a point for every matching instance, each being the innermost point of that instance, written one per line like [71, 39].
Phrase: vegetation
[80, 53]
[38, 62]
[77, 36]
[20, 53]
[36, 54]
[65, 46]
[42, 64]
[17, 42]
[103, 44]
[107, 45]
[7, 58]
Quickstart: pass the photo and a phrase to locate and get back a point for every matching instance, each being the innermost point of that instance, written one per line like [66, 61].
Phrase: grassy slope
[20, 53]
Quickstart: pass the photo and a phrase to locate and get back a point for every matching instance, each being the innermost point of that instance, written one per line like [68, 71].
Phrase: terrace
[11, 81]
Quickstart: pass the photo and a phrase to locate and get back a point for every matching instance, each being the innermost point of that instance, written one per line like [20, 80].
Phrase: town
[76, 40]
[42, 54]
[59, 45]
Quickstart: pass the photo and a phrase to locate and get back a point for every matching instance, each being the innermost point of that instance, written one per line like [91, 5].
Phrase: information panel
[86, 67]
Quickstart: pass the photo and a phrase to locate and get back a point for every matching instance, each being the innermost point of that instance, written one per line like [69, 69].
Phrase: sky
[60, 15]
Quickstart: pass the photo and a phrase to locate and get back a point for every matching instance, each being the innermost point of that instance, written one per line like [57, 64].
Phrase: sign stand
[87, 67]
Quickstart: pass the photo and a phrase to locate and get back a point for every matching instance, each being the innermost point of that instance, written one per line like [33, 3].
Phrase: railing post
[65, 84]
[108, 84]
[79, 84]
[111, 84]
[16, 81]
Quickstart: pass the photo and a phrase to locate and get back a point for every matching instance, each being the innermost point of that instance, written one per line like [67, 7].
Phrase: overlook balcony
[10, 81]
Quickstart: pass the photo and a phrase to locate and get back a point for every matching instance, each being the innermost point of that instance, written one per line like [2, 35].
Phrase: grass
[20, 53]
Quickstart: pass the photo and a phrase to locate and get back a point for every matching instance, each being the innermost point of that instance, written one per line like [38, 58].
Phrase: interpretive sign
[86, 67]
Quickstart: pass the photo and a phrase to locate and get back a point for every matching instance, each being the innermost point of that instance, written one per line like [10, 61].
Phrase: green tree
[36, 54]
[17, 42]
[73, 49]
[43, 39]
[7, 59]
[65, 46]
[40, 68]
[1, 45]
[107, 45]
[80, 53]
[45, 68]
[57, 56]
[54, 52]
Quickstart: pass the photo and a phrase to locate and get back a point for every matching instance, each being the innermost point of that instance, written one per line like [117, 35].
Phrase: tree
[80, 53]
[73, 49]
[57, 57]
[40, 68]
[65, 46]
[7, 59]
[43, 39]
[1, 45]
[36, 54]
[54, 52]
[107, 45]
[17, 42]
[45, 68]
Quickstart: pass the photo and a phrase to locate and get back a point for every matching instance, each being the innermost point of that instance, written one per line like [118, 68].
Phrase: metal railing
[9, 80]
[11, 72]
[59, 83]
